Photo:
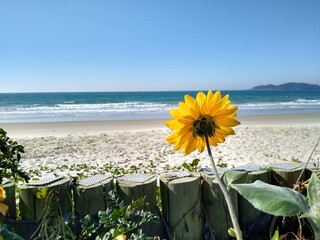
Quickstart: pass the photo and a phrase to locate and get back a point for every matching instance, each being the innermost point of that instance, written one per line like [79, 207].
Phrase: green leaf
[313, 213]
[314, 190]
[2, 132]
[186, 166]
[276, 235]
[313, 216]
[195, 162]
[232, 177]
[231, 232]
[41, 193]
[6, 234]
[275, 200]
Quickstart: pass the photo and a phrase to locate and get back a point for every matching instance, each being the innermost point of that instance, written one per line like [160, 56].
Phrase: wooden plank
[132, 190]
[129, 191]
[92, 199]
[181, 206]
[287, 177]
[64, 195]
[215, 207]
[310, 168]
[248, 215]
[10, 200]
[31, 207]
[27, 202]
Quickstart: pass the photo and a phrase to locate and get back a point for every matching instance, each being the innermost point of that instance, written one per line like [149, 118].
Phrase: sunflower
[208, 115]
[3, 207]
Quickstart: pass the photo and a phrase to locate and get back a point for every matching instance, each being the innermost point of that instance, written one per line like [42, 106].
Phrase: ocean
[96, 106]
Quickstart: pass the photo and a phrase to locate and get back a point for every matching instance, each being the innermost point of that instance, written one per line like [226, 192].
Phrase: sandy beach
[70, 148]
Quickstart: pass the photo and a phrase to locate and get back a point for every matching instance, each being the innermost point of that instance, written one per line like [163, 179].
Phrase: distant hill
[288, 86]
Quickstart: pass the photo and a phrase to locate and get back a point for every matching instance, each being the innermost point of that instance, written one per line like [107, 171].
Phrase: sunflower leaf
[275, 200]
[314, 190]
[233, 177]
[313, 214]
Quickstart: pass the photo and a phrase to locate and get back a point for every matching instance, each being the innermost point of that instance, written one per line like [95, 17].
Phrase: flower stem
[232, 212]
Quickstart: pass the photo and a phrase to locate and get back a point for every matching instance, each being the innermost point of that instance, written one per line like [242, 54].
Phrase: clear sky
[119, 45]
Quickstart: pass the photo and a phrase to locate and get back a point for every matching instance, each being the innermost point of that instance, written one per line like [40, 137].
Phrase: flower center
[204, 125]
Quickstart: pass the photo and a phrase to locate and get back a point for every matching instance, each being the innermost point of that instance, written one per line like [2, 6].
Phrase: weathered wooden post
[181, 205]
[135, 186]
[10, 200]
[24, 228]
[90, 194]
[215, 206]
[287, 174]
[27, 203]
[310, 168]
[64, 195]
[31, 207]
[253, 222]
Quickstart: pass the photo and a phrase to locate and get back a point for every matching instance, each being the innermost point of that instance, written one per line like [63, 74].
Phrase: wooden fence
[193, 206]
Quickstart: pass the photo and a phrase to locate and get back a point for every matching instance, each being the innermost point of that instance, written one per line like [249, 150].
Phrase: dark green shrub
[10, 156]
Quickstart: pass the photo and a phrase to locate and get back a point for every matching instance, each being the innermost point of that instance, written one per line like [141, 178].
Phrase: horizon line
[129, 91]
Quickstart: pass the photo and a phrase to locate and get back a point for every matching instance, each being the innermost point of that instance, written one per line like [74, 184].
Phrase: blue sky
[138, 45]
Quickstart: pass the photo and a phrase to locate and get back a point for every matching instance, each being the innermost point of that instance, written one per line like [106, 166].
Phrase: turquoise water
[48, 107]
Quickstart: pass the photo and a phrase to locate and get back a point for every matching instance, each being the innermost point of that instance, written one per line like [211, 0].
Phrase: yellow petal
[195, 112]
[188, 120]
[210, 101]
[225, 131]
[225, 99]
[201, 98]
[226, 112]
[184, 130]
[189, 100]
[226, 104]
[2, 193]
[173, 124]
[184, 138]
[173, 138]
[213, 110]
[190, 146]
[213, 141]
[207, 104]
[185, 109]
[201, 145]
[215, 107]
[178, 147]
[216, 97]
[226, 122]
[210, 96]
[233, 115]
[3, 209]
[220, 137]
[175, 112]
[222, 101]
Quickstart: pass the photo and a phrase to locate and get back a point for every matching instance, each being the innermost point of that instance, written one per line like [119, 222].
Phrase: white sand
[129, 144]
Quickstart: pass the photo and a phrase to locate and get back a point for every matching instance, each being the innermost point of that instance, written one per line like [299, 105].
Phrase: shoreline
[311, 119]
[42, 129]
[37, 129]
